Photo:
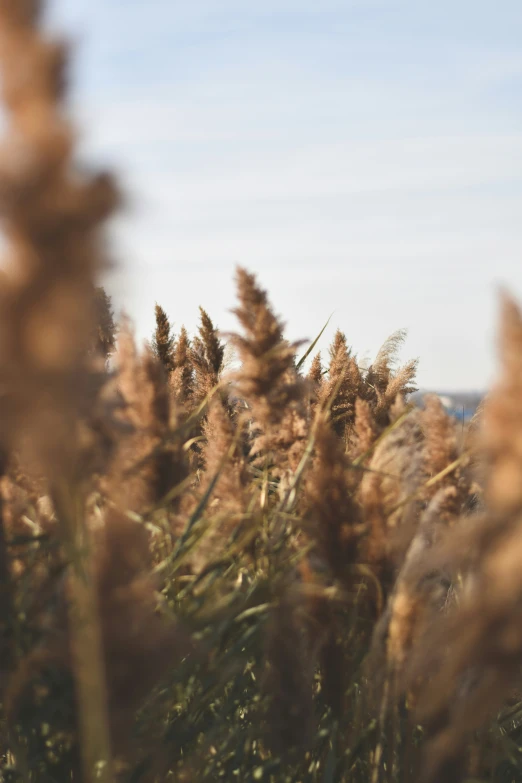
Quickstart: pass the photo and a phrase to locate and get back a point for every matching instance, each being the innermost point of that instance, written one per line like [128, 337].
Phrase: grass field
[215, 574]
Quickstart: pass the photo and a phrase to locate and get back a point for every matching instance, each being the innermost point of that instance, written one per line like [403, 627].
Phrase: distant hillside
[462, 405]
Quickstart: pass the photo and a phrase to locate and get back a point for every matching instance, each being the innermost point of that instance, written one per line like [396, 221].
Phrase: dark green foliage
[105, 327]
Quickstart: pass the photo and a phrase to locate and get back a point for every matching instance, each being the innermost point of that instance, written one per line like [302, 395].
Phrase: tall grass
[245, 575]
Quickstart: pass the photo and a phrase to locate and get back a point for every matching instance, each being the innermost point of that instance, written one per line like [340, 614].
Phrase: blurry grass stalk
[85, 637]
[6, 600]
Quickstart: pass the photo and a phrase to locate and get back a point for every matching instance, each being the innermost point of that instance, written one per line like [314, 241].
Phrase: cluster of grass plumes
[263, 573]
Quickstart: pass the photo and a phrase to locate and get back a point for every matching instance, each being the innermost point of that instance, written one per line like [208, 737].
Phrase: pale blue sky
[362, 157]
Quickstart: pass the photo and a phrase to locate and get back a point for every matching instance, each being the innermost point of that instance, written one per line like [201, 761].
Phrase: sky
[362, 157]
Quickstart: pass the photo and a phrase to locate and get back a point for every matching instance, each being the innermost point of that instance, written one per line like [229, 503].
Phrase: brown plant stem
[6, 599]
[85, 637]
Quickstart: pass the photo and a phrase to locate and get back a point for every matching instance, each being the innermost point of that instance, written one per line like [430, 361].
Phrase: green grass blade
[311, 347]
